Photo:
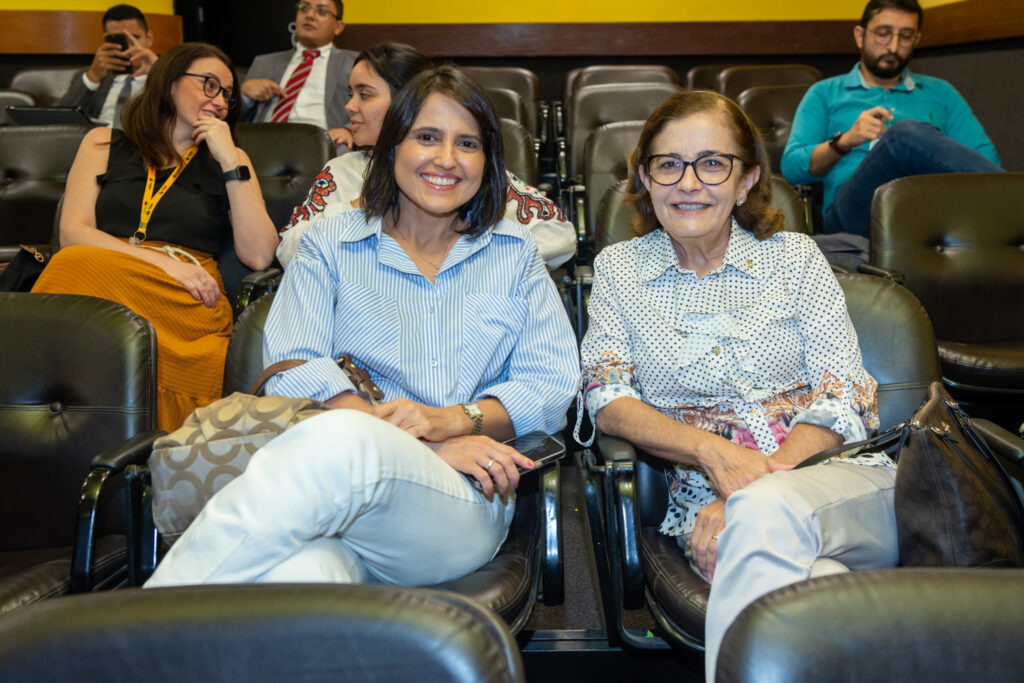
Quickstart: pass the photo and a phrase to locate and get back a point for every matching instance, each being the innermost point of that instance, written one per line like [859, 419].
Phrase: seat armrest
[1001, 440]
[614, 449]
[135, 451]
[255, 285]
[553, 572]
[868, 269]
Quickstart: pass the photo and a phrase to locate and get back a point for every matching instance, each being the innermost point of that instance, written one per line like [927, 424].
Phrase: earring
[739, 202]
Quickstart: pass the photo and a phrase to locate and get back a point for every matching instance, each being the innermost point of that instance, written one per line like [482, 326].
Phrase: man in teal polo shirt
[880, 122]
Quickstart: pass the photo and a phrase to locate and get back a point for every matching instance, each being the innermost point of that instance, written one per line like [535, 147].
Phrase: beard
[874, 66]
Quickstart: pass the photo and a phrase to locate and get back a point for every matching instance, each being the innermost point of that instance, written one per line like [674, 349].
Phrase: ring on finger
[488, 465]
[715, 537]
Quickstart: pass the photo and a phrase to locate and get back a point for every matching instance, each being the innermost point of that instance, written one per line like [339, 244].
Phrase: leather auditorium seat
[77, 377]
[772, 108]
[704, 76]
[34, 165]
[936, 625]
[14, 98]
[735, 79]
[47, 83]
[520, 151]
[520, 80]
[957, 240]
[508, 584]
[260, 633]
[508, 104]
[898, 349]
[597, 74]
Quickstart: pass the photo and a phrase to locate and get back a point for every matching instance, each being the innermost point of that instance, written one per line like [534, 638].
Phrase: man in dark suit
[115, 73]
[314, 74]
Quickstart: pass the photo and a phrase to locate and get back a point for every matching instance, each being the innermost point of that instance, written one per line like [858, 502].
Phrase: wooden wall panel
[970, 21]
[73, 32]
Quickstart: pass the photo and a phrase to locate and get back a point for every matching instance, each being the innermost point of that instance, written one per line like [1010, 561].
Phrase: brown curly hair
[756, 214]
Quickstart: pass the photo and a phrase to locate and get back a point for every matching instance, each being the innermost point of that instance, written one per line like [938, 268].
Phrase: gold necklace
[435, 266]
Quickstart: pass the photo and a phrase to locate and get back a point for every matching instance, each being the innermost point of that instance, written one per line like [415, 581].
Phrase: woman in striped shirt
[450, 309]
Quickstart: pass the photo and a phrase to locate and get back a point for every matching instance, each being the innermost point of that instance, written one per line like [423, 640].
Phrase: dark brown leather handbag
[955, 504]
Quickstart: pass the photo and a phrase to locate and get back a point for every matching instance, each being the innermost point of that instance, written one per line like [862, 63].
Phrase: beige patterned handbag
[215, 444]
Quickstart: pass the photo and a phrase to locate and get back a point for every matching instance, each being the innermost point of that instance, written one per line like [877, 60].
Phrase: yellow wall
[147, 6]
[474, 11]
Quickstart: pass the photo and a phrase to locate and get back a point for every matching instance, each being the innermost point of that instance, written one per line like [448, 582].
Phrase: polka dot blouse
[756, 346]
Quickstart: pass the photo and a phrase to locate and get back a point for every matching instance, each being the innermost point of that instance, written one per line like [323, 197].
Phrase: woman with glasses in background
[723, 345]
[147, 207]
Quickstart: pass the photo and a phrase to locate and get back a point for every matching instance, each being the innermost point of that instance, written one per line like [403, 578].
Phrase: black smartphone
[121, 40]
[543, 449]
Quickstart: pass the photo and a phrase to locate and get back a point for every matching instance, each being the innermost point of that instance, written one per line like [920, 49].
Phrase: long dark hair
[755, 215]
[148, 118]
[396, 63]
[380, 188]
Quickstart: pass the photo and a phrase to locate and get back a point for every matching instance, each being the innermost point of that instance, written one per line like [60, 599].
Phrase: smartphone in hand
[121, 40]
[543, 449]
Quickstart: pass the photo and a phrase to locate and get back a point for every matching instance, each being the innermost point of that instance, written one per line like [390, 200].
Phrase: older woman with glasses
[723, 345]
[146, 208]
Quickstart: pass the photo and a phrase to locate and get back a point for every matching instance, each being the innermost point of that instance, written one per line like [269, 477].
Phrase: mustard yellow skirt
[192, 340]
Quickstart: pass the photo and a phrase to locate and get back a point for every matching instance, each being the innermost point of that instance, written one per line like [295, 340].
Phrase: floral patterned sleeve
[606, 354]
[843, 397]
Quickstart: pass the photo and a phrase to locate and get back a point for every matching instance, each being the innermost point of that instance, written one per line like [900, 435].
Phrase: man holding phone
[118, 68]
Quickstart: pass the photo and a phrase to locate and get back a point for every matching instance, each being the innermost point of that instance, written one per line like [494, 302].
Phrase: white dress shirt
[309, 105]
[109, 110]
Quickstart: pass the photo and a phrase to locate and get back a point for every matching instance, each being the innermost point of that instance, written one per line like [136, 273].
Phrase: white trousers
[343, 498]
[788, 526]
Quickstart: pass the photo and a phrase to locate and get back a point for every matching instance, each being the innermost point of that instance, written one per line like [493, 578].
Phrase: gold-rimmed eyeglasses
[320, 10]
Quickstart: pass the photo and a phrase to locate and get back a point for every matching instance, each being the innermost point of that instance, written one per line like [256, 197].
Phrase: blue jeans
[340, 498]
[908, 148]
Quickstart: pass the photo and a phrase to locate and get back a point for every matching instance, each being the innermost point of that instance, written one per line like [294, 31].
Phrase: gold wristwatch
[474, 413]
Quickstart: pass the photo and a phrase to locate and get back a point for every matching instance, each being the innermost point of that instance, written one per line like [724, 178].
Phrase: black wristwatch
[237, 173]
[833, 142]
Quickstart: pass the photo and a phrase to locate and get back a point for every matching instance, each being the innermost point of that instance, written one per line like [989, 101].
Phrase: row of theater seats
[79, 378]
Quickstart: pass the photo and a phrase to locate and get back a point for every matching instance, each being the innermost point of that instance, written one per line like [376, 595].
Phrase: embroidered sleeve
[606, 354]
[322, 193]
[843, 394]
[554, 234]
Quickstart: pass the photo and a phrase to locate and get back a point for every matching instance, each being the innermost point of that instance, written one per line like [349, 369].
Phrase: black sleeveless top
[193, 213]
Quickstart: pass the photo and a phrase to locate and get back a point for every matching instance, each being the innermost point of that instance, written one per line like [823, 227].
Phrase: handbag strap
[365, 387]
[852, 450]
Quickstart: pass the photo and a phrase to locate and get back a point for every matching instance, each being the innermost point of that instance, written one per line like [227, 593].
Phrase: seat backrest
[244, 361]
[522, 81]
[704, 76]
[614, 215]
[14, 98]
[957, 239]
[786, 198]
[520, 155]
[508, 104]
[286, 157]
[898, 350]
[77, 375]
[735, 79]
[597, 74]
[47, 83]
[595, 105]
[605, 162]
[34, 165]
[772, 108]
[260, 633]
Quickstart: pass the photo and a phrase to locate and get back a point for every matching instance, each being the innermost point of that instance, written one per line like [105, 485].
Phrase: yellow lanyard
[149, 200]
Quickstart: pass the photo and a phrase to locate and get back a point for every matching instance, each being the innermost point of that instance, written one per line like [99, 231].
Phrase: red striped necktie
[293, 87]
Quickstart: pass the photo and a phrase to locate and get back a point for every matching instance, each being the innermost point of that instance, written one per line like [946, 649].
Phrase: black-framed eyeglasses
[320, 10]
[710, 169]
[883, 34]
[212, 88]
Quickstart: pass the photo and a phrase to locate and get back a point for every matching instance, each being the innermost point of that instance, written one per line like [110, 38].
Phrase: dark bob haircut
[875, 6]
[396, 63]
[755, 215]
[148, 118]
[380, 188]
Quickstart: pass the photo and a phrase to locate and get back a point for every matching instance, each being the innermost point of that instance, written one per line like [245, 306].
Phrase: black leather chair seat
[998, 365]
[677, 591]
[28, 576]
[505, 584]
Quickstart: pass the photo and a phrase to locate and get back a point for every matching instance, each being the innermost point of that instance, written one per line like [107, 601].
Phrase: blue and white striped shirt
[491, 325]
